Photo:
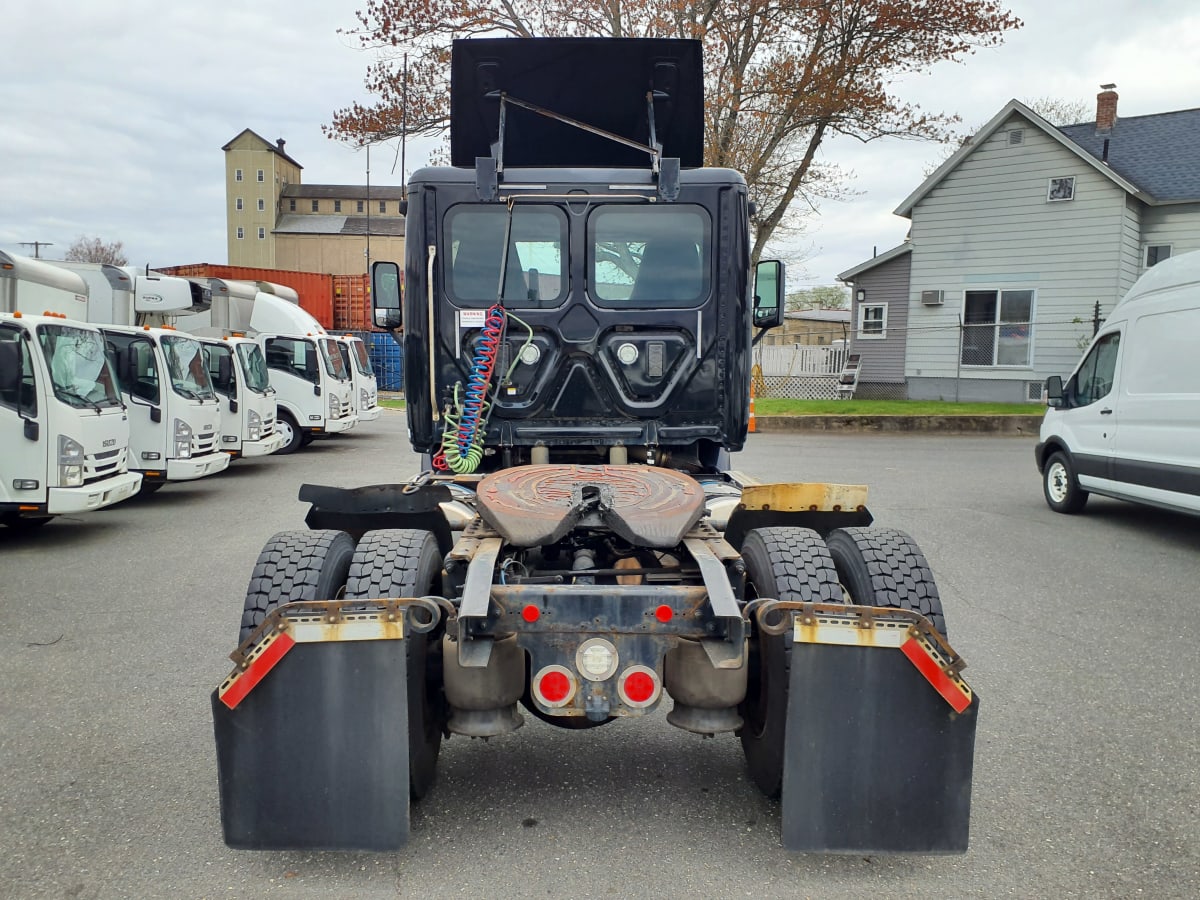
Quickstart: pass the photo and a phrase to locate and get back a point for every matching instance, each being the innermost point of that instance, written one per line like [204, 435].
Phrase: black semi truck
[578, 312]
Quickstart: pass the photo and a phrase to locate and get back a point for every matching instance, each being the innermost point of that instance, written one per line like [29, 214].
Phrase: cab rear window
[648, 256]
[536, 268]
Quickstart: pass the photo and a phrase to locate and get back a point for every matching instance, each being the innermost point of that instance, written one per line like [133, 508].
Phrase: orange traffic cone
[753, 426]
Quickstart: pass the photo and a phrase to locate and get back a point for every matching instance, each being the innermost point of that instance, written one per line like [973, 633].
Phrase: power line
[37, 247]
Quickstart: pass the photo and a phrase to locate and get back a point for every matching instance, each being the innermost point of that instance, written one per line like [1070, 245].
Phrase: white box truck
[64, 433]
[313, 390]
[239, 376]
[362, 376]
[174, 412]
[1126, 423]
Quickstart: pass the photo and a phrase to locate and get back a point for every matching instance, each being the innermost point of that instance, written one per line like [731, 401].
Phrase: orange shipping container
[352, 303]
[315, 288]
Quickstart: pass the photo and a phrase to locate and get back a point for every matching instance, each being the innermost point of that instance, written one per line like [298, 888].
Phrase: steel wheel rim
[1056, 482]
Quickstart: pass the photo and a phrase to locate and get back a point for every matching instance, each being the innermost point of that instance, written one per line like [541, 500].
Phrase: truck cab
[239, 376]
[174, 414]
[362, 376]
[64, 432]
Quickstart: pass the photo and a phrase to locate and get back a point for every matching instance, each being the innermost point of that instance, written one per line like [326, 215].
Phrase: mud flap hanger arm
[665, 169]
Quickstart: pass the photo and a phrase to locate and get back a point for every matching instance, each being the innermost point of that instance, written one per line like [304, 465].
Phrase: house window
[316, 206]
[997, 326]
[261, 175]
[291, 206]
[872, 321]
[337, 205]
[1156, 253]
[262, 204]
[241, 232]
[383, 206]
[237, 203]
[262, 233]
[237, 175]
[360, 206]
[1062, 188]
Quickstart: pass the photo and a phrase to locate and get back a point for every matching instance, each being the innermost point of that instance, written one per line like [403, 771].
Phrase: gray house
[1016, 241]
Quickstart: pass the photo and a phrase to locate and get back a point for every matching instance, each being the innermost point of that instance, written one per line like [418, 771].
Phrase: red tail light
[639, 686]
[554, 686]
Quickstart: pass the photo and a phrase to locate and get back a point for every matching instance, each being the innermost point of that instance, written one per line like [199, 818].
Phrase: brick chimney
[1106, 108]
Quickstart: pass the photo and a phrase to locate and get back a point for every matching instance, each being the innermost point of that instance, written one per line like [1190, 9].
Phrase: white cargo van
[1127, 422]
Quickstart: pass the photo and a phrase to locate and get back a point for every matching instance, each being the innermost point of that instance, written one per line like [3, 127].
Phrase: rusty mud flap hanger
[880, 736]
[312, 727]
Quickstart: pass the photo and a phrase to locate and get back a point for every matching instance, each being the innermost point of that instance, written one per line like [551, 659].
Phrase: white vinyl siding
[988, 226]
[1177, 225]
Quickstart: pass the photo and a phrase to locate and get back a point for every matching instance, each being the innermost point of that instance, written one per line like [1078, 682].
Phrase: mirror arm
[759, 336]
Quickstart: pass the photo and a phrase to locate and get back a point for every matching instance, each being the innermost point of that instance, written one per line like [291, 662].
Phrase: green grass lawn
[392, 404]
[767, 406]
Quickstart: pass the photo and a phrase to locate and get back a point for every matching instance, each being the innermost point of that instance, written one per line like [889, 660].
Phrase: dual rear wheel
[328, 565]
[863, 566]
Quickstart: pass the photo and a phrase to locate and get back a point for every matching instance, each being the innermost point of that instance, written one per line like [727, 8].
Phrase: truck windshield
[185, 364]
[335, 365]
[361, 359]
[255, 366]
[79, 368]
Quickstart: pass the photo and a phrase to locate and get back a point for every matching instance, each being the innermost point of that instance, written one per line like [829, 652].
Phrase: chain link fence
[1004, 361]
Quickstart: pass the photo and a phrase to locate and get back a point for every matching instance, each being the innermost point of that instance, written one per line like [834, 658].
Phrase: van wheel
[1061, 487]
[293, 437]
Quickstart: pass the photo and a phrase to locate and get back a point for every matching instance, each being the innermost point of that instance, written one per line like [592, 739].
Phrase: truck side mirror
[769, 277]
[1053, 392]
[386, 295]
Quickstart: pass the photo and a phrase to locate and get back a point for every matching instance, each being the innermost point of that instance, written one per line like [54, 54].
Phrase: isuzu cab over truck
[239, 376]
[313, 391]
[174, 414]
[578, 314]
[362, 376]
[64, 434]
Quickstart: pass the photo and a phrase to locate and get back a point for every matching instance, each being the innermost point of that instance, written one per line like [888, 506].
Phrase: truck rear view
[578, 319]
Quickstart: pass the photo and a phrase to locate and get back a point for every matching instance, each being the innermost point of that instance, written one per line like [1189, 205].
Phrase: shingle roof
[342, 192]
[1158, 153]
[385, 226]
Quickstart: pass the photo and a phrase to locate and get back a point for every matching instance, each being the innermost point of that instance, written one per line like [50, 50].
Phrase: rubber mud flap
[316, 755]
[875, 760]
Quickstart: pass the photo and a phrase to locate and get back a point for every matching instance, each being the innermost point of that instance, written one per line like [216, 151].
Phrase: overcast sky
[115, 122]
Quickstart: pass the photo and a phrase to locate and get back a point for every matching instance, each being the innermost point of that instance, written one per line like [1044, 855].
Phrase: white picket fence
[800, 372]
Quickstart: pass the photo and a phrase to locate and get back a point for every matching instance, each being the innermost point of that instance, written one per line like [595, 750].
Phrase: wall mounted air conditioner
[933, 298]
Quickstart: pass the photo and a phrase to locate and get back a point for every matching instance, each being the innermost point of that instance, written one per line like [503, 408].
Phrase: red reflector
[639, 686]
[942, 683]
[531, 613]
[257, 670]
[554, 687]
[664, 613]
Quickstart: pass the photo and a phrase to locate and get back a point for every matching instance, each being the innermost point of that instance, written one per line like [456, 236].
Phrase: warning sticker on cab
[472, 318]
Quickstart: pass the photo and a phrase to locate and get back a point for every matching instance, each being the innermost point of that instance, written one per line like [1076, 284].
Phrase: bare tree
[783, 75]
[92, 249]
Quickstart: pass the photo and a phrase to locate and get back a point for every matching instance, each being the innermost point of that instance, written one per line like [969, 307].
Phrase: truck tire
[791, 564]
[296, 565]
[406, 562]
[885, 567]
[1060, 486]
[293, 437]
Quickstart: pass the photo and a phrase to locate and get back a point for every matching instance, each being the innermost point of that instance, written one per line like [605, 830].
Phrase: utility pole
[37, 247]
[368, 208]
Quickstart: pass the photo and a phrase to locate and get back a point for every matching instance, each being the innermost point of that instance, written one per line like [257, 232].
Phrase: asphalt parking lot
[1080, 634]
